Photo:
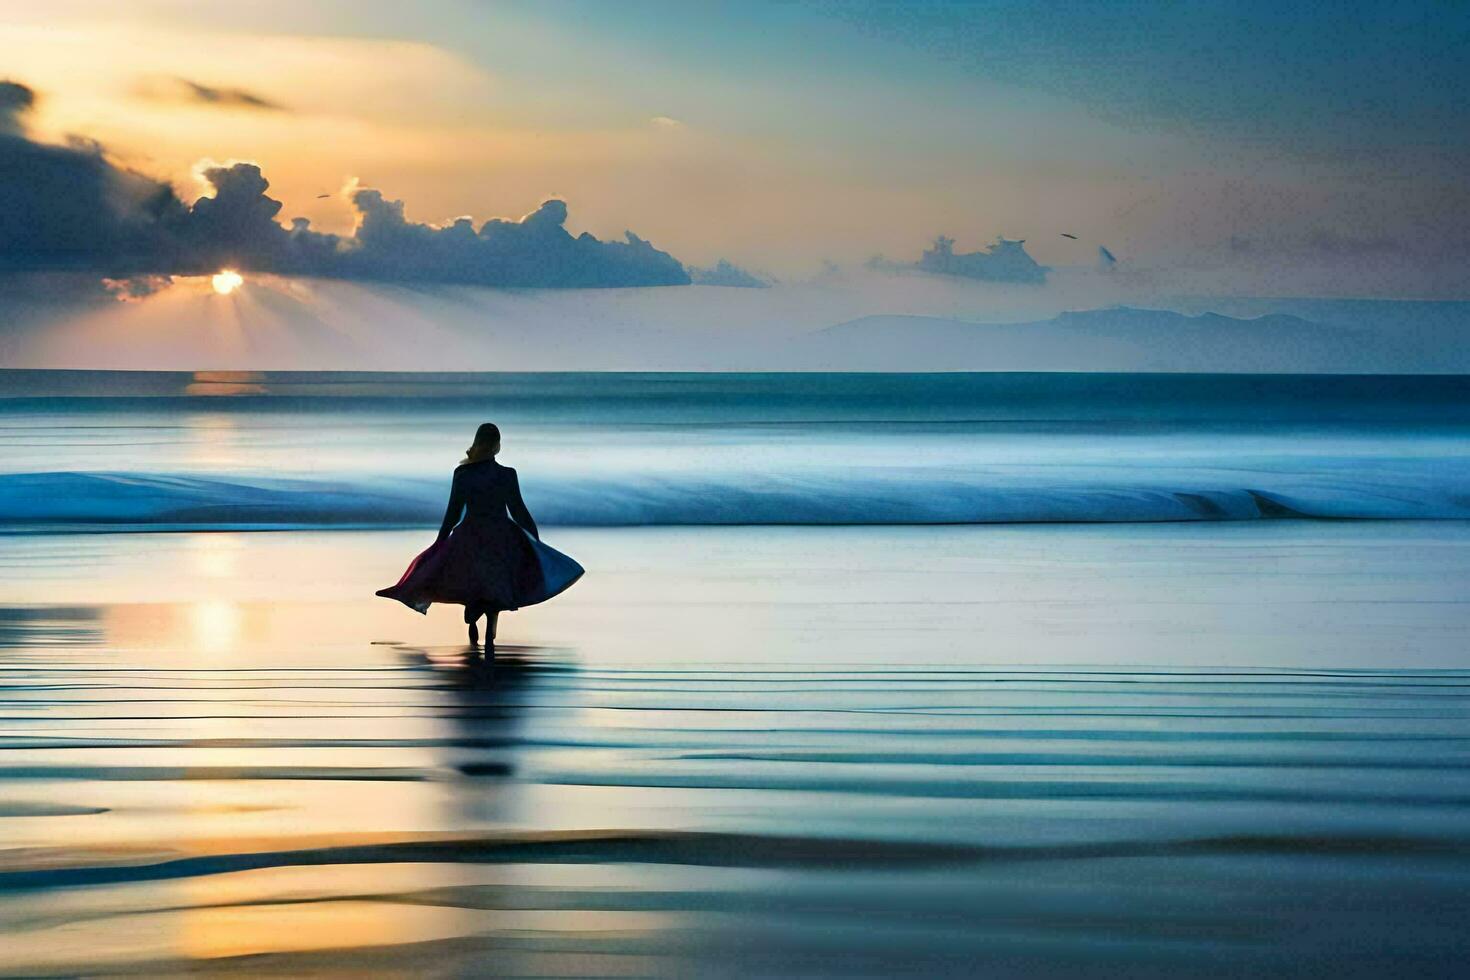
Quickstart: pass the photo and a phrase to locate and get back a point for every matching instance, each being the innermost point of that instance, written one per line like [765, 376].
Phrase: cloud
[725, 273]
[666, 122]
[15, 100]
[135, 288]
[1005, 261]
[178, 89]
[68, 207]
[537, 250]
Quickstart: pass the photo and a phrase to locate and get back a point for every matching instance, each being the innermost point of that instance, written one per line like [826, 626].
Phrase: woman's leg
[472, 613]
[491, 615]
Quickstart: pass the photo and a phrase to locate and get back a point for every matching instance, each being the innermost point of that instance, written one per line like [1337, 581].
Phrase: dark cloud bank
[67, 207]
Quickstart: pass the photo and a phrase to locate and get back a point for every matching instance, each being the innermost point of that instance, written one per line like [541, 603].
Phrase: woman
[491, 561]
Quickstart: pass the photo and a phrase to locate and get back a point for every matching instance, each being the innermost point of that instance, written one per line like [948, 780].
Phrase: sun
[226, 281]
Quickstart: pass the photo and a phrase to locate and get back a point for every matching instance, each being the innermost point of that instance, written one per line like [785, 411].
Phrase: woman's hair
[486, 444]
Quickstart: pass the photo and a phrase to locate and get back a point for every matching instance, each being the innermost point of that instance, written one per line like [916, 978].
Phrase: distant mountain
[1125, 339]
[1127, 318]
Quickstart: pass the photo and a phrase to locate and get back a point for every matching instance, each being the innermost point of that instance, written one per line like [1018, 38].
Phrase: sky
[1217, 148]
[781, 135]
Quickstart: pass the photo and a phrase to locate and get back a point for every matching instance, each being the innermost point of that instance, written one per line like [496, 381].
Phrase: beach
[868, 675]
[950, 490]
[963, 490]
[736, 750]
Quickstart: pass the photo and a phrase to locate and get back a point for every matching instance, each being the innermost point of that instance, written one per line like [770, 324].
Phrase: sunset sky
[781, 136]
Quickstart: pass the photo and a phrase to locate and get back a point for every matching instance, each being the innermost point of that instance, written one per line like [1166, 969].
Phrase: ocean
[870, 675]
[213, 451]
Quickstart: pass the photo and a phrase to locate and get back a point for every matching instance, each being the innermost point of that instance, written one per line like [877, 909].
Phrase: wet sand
[1015, 752]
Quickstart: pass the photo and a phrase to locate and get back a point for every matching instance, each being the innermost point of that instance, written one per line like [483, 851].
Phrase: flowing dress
[487, 559]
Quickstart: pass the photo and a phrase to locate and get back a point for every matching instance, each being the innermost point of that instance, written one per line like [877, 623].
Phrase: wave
[48, 502]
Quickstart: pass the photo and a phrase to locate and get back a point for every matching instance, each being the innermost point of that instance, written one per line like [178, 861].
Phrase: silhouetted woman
[492, 560]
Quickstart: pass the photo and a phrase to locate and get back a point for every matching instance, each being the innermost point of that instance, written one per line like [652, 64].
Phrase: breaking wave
[180, 501]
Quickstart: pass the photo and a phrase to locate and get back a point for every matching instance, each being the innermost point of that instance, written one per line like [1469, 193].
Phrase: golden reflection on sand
[209, 626]
[209, 933]
[296, 927]
[215, 626]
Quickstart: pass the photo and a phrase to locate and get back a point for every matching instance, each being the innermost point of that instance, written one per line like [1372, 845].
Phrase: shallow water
[1173, 749]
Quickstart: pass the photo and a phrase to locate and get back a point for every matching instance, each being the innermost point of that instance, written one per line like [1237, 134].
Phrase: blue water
[162, 450]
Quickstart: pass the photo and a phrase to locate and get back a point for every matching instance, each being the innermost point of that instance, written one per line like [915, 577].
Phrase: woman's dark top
[486, 491]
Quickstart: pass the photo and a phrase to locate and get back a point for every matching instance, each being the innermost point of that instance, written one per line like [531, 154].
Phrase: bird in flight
[320, 196]
[1065, 235]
